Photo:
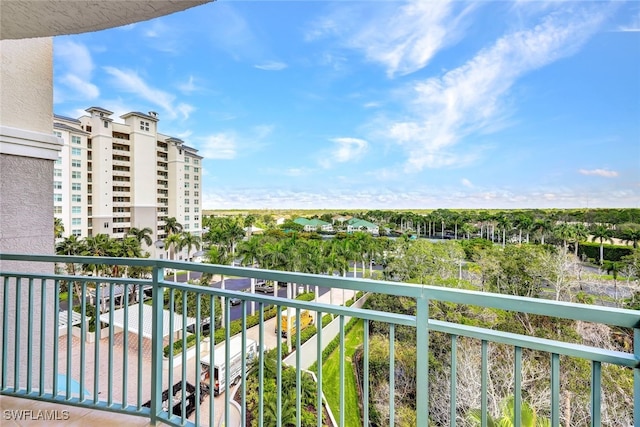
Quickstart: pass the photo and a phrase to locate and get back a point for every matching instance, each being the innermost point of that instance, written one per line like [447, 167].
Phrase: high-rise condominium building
[112, 176]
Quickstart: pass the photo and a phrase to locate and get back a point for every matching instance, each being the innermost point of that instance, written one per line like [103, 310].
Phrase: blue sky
[382, 104]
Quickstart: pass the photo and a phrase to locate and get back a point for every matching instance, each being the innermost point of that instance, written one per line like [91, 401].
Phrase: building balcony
[140, 361]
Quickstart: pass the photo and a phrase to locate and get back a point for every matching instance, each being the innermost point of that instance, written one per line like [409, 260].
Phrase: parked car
[264, 287]
[235, 301]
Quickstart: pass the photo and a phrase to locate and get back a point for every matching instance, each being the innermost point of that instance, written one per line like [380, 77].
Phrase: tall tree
[142, 235]
[58, 228]
[601, 234]
[172, 226]
[189, 241]
[631, 233]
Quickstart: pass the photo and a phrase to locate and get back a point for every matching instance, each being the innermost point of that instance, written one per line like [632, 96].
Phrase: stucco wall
[27, 150]
[26, 226]
[26, 84]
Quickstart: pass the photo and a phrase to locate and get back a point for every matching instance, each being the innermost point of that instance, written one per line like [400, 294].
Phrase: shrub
[610, 252]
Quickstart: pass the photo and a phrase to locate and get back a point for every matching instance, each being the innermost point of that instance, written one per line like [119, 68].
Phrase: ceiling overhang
[21, 19]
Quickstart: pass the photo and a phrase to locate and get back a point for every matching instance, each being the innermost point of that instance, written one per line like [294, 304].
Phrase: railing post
[636, 378]
[156, 344]
[422, 360]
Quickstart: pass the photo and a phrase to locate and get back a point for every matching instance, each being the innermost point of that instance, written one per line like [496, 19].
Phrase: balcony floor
[77, 416]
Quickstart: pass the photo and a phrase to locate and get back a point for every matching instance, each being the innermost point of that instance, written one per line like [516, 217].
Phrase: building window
[186, 217]
[57, 209]
[196, 170]
[76, 232]
[58, 134]
[186, 226]
[57, 172]
[196, 161]
[76, 175]
[196, 218]
[196, 177]
[186, 201]
[186, 167]
[186, 185]
[57, 185]
[196, 202]
[105, 225]
[57, 197]
[59, 161]
[76, 163]
[76, 152]
[76, 198]
[76, 139]
[186, 193]
[186, 160]
[144, 126]
[196, 209]
[186, 210]
[76, 221]
[76, 210]
[106, 124]
[76, 186]
[186, 176]
[196, 185]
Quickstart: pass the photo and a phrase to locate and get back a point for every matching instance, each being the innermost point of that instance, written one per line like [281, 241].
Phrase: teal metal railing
[46, 356]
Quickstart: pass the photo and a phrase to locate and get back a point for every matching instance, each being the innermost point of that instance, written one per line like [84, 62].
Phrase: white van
[235, 362]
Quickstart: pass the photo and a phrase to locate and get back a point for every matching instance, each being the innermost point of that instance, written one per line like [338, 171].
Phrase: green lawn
[331, 379]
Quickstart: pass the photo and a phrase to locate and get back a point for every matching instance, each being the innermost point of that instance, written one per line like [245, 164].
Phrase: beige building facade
[114, 175]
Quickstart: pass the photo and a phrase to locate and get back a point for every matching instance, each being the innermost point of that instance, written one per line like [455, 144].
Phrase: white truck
[235, 362]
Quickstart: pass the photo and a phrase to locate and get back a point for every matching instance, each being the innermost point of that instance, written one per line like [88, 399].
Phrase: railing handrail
[568, 310]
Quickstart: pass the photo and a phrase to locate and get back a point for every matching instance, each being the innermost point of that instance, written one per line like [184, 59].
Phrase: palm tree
[71, 246]
[188, 240]
[467, 228]
[602, 234]
[58, 228]
[505, 224]
[614, 268]
[218, 255]
[142, 235]
[171, 243]
[580, 234]
[172, 226]
[523, 223]
[631, 233]
[543, 226]
[564, 231]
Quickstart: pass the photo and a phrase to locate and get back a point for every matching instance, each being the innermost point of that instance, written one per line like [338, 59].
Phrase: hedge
[610, 252]
[334, 343]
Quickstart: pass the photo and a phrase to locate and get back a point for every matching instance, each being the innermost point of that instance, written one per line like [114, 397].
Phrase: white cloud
[229, 145]
[466, 183]
[129, 81]
[345, 150]
[271, 66]
[631, 27]
[470, 99]
[188, 87]
[599, 172]
[219, 146]
[423, 198]
[75, 68]
[403, 39]
[80, 86]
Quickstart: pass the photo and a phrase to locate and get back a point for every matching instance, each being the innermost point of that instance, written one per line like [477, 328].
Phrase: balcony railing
[46, 357]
